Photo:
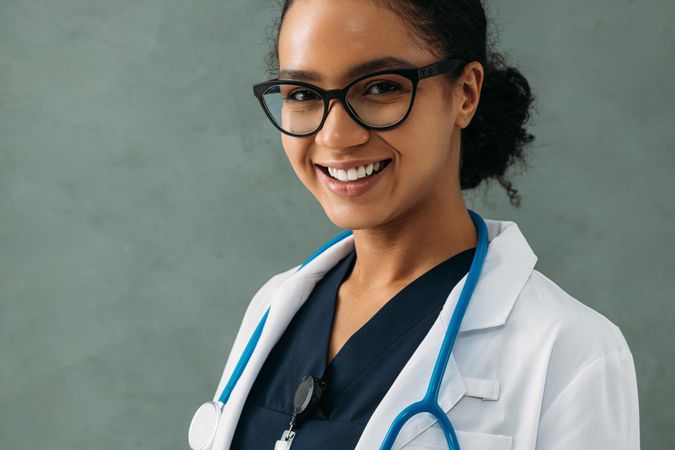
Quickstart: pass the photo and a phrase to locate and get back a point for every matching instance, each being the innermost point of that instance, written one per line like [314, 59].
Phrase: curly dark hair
[496, 138]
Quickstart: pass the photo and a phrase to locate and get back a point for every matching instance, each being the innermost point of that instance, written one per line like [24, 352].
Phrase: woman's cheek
[296, 154]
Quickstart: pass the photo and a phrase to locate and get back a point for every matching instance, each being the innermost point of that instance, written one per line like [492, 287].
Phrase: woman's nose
[340, 130]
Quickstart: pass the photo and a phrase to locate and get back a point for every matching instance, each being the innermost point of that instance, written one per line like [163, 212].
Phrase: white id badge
[286, 440]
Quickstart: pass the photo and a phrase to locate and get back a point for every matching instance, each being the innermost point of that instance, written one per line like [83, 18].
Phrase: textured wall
[144, 198]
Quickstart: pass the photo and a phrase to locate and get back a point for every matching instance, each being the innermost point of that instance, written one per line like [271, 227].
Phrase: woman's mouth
[356, 173]
[352, 181]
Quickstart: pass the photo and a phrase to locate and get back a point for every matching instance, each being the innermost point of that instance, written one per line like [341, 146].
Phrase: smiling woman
[388, 110]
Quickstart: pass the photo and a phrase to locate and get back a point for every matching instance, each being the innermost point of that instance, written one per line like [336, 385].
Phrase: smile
[354, 173]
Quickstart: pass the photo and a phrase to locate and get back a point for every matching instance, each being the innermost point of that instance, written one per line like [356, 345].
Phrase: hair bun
[496, 137]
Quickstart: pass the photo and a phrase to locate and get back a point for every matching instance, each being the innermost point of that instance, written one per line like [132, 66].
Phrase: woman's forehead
[329, 38]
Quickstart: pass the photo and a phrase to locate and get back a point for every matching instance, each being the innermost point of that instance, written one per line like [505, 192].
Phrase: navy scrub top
[359, 375]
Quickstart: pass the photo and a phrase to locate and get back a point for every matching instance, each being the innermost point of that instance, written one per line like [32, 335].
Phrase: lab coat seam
[580, 371]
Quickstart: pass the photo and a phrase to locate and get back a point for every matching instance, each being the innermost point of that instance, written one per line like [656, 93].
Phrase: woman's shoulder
[580, 364]
[569, 342]
[567, 318]
[543, 308]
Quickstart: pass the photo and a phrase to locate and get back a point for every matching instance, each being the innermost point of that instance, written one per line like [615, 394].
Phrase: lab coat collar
[508, 263]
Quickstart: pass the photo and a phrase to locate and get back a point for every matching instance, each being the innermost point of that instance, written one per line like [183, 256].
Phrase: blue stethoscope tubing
[429, 404]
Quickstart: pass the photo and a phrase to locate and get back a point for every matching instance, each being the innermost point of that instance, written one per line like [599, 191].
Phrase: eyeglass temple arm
[444, 66]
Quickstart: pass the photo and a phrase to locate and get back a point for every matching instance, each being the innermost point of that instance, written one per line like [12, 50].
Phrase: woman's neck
[406, 247]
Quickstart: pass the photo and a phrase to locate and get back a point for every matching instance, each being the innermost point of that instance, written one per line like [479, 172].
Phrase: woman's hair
[496, 137]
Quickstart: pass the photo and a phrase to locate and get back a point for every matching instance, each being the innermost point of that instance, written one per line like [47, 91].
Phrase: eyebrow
[373, 65]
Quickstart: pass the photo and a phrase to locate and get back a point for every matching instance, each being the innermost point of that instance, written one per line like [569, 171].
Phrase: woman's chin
[354, 218]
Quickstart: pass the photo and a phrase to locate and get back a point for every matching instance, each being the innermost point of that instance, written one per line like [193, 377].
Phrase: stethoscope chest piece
[204, 425]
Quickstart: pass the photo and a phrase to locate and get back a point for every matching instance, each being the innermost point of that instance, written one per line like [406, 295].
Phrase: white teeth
[355, 173]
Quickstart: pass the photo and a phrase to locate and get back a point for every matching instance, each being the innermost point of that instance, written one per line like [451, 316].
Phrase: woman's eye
[300, 95]
[382, 87]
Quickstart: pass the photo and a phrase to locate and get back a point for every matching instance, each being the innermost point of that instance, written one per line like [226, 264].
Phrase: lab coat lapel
[285, 303]
[410, 387]
[508, 264]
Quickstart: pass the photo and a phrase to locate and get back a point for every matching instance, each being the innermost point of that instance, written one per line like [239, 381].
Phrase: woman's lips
[351, 188]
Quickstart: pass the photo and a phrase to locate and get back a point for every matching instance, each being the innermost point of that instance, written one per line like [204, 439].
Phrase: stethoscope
[205, 421]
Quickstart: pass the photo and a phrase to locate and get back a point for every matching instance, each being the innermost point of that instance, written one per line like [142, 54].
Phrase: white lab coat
[532, 367]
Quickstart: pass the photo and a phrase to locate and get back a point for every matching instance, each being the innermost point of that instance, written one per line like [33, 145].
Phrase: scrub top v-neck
[361, 372]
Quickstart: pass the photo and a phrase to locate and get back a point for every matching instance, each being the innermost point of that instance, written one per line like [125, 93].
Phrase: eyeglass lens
[378, 101]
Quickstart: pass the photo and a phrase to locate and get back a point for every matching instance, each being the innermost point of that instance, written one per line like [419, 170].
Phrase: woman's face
[329, 38]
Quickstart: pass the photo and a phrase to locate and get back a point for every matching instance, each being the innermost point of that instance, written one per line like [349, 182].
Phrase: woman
[350, 338]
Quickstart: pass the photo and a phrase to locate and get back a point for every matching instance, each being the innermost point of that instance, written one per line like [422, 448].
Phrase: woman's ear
[470, 85]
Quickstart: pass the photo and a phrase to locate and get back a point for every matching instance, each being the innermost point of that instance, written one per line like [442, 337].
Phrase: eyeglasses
[379, 101]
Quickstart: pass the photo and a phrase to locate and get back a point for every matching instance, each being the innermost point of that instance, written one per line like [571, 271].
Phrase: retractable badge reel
[305, 400]
[205, 421]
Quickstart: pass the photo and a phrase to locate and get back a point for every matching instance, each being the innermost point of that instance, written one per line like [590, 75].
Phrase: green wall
[144, 198]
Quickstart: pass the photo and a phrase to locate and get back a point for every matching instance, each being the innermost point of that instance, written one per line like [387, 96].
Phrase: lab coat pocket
[433, 439]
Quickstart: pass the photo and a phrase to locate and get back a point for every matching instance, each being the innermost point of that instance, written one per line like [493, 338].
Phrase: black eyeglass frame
[413, 74]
